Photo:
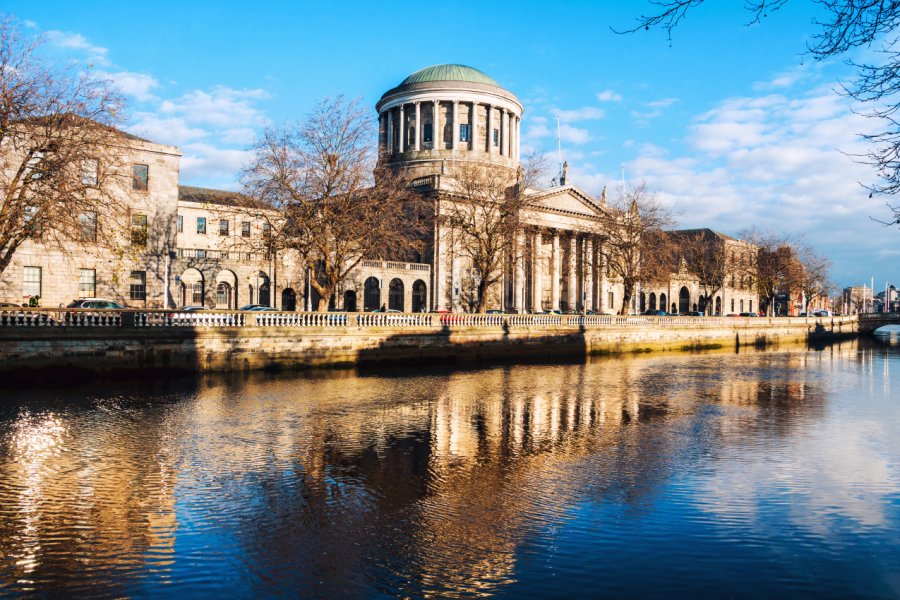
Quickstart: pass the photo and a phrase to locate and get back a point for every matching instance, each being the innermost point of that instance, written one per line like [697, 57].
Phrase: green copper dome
[449, 73]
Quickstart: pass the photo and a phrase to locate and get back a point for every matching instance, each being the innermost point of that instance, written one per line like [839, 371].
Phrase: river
[756, 474]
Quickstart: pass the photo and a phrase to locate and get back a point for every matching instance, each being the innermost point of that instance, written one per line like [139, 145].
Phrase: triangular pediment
[566, 199]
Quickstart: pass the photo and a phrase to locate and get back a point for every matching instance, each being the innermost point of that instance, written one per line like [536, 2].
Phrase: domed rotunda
[448, 113]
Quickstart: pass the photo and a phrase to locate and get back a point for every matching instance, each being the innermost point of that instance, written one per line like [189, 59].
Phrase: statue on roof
[565, 173]
[603, 199]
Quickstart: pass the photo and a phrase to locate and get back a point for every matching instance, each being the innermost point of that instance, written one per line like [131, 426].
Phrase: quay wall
[236, 341]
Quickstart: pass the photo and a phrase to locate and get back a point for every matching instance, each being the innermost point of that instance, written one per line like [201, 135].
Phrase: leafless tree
[847, 24]
[59, 151]
[774, 267]
[813, 275]
[482, 214]
[706, 259]
[317, 179]
[635, 247]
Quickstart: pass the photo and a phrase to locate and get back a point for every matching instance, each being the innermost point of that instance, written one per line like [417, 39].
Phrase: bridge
[869, 322]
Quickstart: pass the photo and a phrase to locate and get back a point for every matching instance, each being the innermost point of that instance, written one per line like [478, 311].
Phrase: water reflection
[499, 481]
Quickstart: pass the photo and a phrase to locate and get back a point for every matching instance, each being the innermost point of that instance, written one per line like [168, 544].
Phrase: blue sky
[729, 123]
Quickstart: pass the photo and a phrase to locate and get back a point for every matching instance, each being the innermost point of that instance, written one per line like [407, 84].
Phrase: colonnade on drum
[458, 125]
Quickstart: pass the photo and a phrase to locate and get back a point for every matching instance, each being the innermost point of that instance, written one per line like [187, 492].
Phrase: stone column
[519, 279]
[588, 273]
[555, 272]
[504, 133]
[490, 129]
[435, 124]
[416, 145]
[536, 285]
[572, 296]
[518, 141]
[455, 130]
[390, 131]
[473, 133]
[402, 140]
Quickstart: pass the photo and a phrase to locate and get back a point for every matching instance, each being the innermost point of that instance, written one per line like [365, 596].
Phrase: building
[194, 246]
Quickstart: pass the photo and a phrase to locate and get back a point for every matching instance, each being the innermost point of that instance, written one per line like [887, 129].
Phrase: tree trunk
[323, 303]
[626, 300]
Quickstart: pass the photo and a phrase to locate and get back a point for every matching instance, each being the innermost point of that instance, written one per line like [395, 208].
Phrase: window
[87, 223]
[201, 225]
[180, 224]
[87, 283]
[139, 230]
[464, 133]
[732, 305]
[140, 177]
[245, 228]
[496, 137]
[611, 297]
[223, 227]
[427, 130]
[89, 168]
[200, 253]
[31, 281]
[138, 289]
[32, 223]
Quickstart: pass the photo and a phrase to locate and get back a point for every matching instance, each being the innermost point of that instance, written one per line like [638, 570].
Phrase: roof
[187, 193]
[73, 119]
[449, 73]
[705, 231]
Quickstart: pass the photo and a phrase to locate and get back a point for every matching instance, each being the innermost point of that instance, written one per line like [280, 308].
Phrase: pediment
[567, 199]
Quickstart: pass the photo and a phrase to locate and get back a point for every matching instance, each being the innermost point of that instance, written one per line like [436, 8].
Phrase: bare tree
[635, 248]
[813, 275]
[482, 214]
[706, 259]
[316, 177]
[59, 151]
[774, 267]
[847, 24]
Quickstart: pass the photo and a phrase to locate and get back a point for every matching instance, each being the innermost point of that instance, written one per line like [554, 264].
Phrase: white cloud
[136, 85]
[75, 41]
[206, 162]
[173, 130]
[609, 96]
[575, 135]
[220, 107]
[662, 103]
[587, 113]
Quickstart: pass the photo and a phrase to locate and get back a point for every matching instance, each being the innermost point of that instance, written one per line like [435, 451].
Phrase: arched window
[419, 296]
[684, 301]
[371, 295]
[197, 293]
[223, 296]
[662, 302]
[395, 295]
[718, 305]
[703, 302]
[652, 301]
[264, 293]
[643, 302]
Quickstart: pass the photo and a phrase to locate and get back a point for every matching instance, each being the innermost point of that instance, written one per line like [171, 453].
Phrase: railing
[215, 254]
[396, 266]
[173, 318]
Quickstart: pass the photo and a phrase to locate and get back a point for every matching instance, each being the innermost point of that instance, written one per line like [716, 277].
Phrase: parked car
[94, 303]
[748, 314]
[256, 307]
[695, 313]
[822, 313]
[552, 311]
[9, 305]
[386, 310]
[191, 308]
[495, 311]
[655, 313]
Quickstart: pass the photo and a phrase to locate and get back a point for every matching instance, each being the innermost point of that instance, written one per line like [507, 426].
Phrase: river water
[758, 474]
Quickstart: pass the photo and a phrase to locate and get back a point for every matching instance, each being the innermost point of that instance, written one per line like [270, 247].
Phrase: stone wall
[107, 349]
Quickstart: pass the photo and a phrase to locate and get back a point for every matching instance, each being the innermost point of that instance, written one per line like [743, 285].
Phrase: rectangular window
[87, 223]
[611, 300]
[140, 177]
[201, 225]
[138, 288]
[496, 137]
[223, 227]
[87, 283]
[31, 281]
[464, 133]
[89, 168]
[139, 230]
[427, 129]
[245, 228]
[32, 222]
[180, 224]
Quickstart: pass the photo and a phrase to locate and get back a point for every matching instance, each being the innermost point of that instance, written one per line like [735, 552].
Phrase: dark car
[494, 311]
[695, 313]
[655, 313]
[256, 307]
[94, 303]
[748, 314]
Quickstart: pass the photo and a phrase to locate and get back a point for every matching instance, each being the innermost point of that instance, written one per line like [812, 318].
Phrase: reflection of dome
[449, 73]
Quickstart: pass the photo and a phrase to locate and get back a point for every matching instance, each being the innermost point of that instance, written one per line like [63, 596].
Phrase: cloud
[575, 135]
[220, 107]
[663, 103]
[173, 130]
[587, 113]
[75, 41]
[136, 85]
[609, 96]
[206, 162]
